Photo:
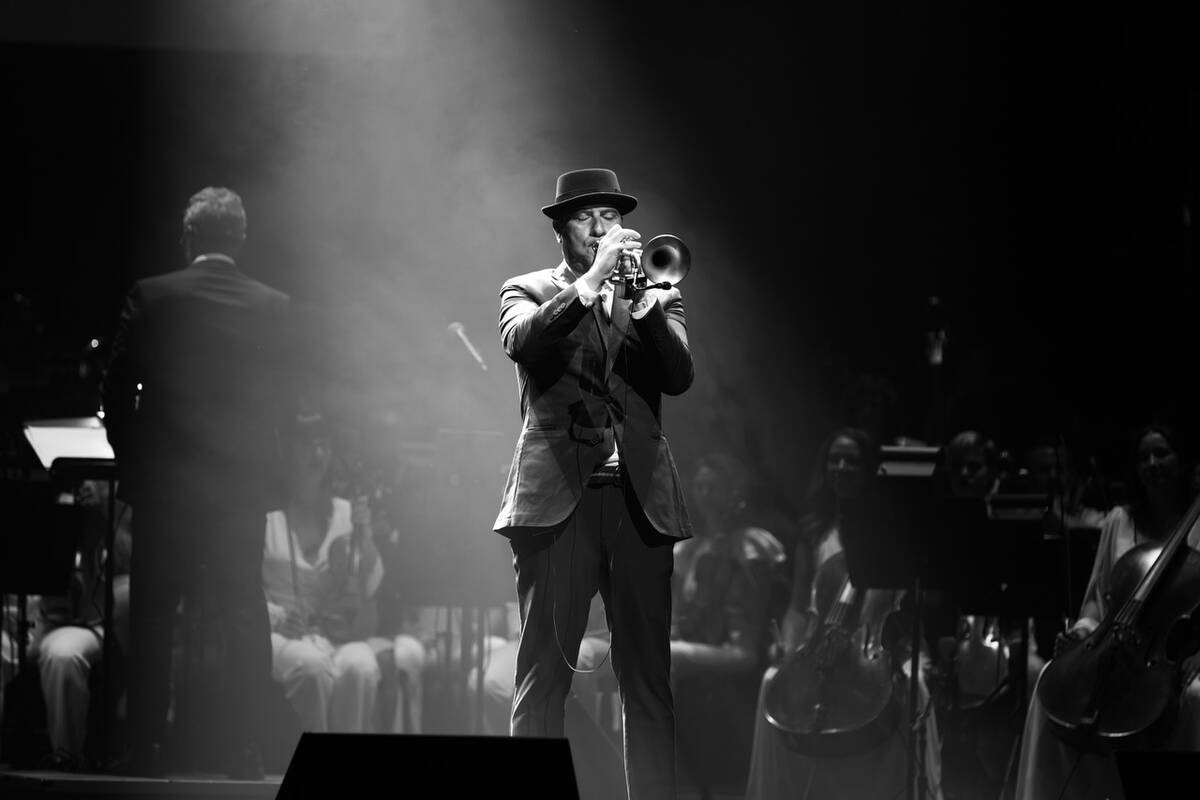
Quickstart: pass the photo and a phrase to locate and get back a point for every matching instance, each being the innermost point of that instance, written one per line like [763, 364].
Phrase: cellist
[1160, 492]
[777, 771]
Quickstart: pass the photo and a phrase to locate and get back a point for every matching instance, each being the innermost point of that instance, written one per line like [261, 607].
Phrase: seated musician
[68, 634]
[779, 771]
[724, 580]
[977, 665]
[975, 472]
[1050, 469]
[1160, 491]
[321, 570]
[402, 655]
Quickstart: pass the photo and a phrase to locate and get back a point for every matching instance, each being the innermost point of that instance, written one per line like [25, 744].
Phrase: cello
[1119, 687]
[833, 695]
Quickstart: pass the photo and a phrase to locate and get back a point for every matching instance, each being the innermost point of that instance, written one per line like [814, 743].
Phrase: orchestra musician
[977, 669]
[1160, 492]
[777, 769]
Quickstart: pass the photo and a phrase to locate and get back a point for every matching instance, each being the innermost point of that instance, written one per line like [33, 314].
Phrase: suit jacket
[585, 381]
[196, 386]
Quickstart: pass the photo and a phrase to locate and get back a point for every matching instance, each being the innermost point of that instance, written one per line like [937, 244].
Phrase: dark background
[832, 166]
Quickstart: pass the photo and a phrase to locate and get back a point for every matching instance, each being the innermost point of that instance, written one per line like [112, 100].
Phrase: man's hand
[616, 241]
[647, 298]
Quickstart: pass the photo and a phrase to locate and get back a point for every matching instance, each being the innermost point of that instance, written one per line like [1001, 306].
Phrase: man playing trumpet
[593, 500]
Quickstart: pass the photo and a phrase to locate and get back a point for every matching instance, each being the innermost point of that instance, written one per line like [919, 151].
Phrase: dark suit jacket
[206, 344]
[583, 382]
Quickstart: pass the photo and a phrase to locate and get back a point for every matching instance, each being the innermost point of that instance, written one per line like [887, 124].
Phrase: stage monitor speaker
[326, 765]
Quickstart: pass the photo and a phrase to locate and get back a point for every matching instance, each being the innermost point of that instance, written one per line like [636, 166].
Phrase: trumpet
[664, 262]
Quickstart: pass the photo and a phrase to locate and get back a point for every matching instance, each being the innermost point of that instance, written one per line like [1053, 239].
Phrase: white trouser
[66, 657]
[332, 688]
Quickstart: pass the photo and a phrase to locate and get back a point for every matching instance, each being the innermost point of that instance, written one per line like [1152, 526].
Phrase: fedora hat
[589, 187]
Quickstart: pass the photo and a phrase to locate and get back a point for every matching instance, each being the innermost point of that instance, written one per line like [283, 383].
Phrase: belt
[606, 475]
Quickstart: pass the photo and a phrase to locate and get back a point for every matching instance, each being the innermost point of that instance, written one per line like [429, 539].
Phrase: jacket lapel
[611, 333]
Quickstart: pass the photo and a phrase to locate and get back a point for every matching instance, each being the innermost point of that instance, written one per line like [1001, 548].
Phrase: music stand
[904, 525]
[37, 549]
[1013, 574]
[37, 552]
[897, 535]
[1011, 560]
[453, 560]
[75, 449]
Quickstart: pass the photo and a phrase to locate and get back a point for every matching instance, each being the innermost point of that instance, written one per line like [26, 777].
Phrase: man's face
[579, 228]
[971, 474]
[1044, 467]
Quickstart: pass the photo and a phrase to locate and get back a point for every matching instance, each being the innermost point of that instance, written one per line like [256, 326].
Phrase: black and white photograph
[661, 400]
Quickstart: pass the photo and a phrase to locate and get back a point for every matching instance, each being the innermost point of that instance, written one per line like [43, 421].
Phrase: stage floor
[31, 784]
[37, 784]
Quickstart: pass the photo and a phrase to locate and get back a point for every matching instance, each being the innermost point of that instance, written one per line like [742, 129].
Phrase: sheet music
[84, 437]
[908, 461]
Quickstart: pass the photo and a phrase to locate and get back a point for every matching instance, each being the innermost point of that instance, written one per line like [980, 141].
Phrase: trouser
[211, 555]
[335, 687]
[331, 687]
[607, 545]
[66, 657]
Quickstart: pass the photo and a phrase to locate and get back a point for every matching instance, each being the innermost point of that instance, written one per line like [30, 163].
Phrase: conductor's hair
[215, 220]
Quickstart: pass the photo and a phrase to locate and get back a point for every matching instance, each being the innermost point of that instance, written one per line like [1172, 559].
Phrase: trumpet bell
[666, 259]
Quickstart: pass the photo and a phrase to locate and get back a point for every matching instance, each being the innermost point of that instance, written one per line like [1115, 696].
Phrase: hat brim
[623, 203]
